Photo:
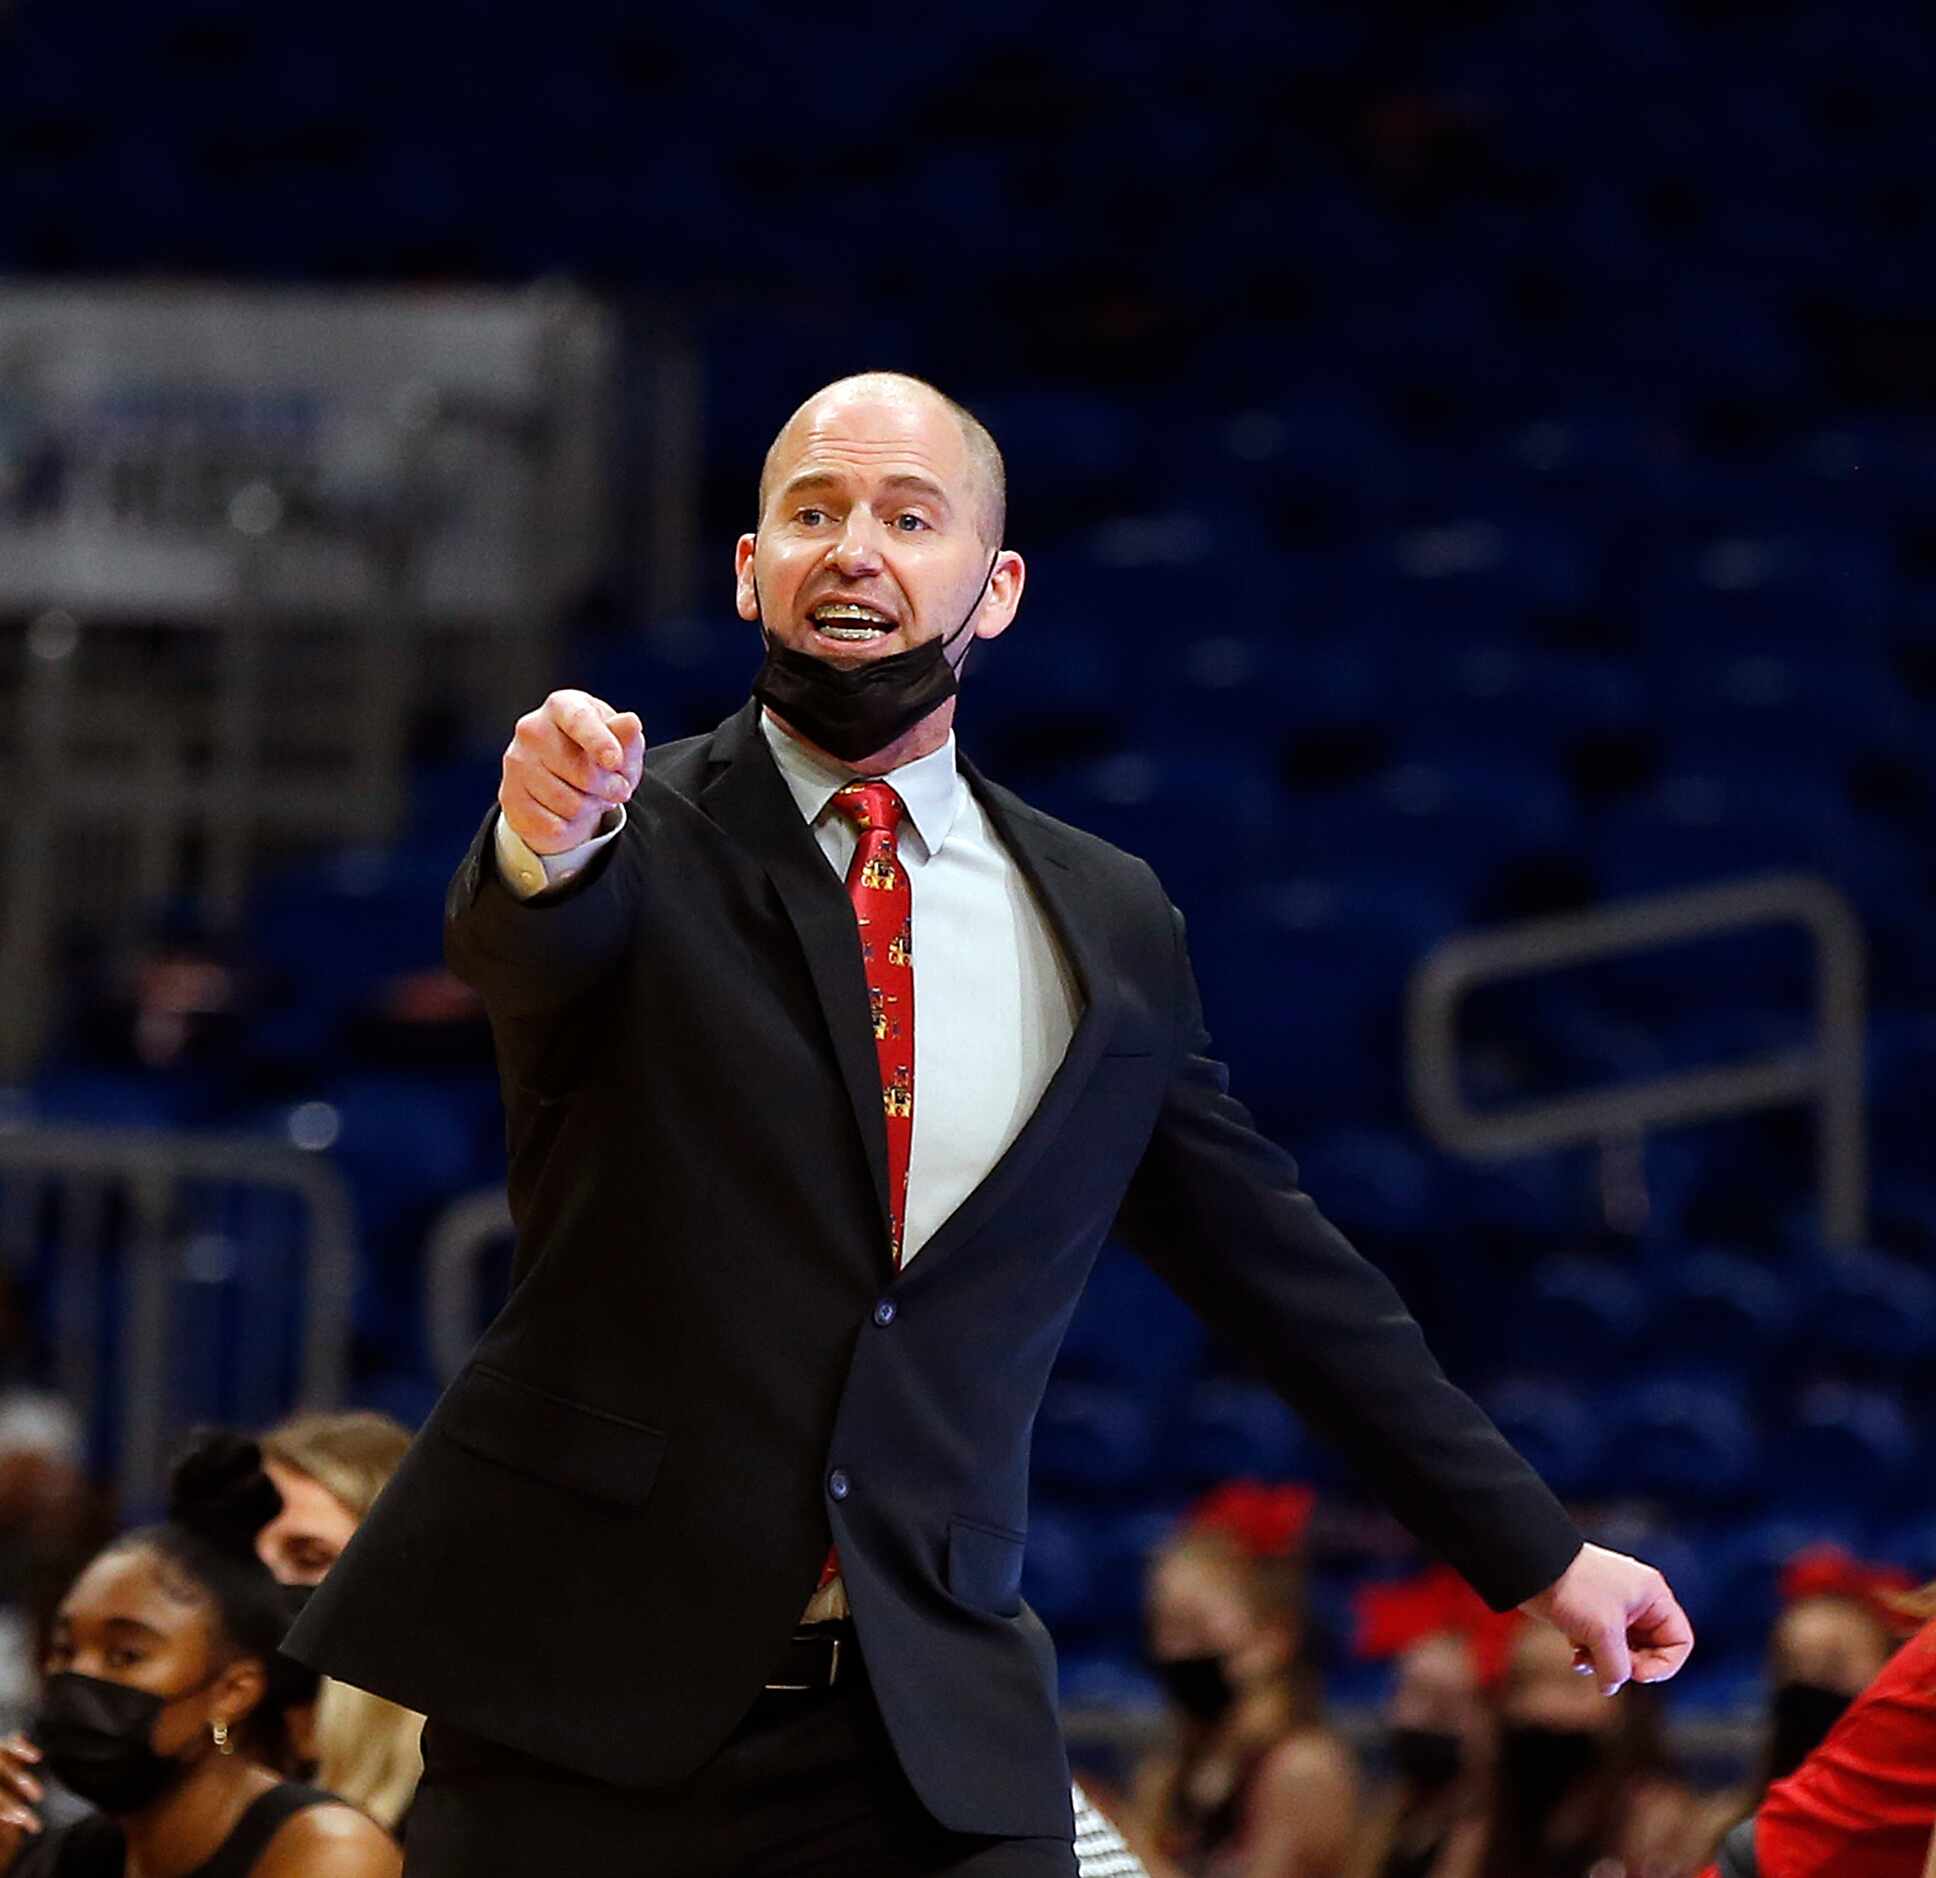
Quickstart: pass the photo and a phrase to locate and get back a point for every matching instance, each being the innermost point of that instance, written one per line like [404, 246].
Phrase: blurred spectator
[161, 1706]
[1863, 1804]
[1427, 1817]
[179, 1004]
[1580, 1786]
[1254, 1782]
[1837, 1629]
[329, 1470]
[50, 1520]
[1841, 1621]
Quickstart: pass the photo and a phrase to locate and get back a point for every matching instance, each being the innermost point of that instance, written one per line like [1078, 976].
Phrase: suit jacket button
[884, 1311]
[838, 1484]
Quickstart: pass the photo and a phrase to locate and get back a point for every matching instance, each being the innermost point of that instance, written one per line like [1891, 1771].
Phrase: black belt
[1736, 1858]
[816, 1657]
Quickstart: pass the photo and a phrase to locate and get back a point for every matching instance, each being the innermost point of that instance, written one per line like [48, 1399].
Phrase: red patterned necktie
[877, 884]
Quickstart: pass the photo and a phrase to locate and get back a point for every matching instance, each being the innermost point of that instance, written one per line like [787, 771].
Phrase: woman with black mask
[1254, 1783]
[161, 1707]
[1579, 1783]
[1426, 1817]
[1863, 1803]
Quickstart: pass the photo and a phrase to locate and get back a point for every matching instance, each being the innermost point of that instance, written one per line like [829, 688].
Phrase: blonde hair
[369, 1751]
[1918, 1606]
[351, 1456]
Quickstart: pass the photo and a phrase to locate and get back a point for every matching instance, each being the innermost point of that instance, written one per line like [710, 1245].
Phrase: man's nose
[858, 550]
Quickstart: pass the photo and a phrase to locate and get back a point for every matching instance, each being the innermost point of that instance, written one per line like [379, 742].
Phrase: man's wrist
[528, 873]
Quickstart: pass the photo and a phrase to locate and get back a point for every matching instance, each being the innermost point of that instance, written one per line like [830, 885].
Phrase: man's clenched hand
[569, 761]
[1621, 1616]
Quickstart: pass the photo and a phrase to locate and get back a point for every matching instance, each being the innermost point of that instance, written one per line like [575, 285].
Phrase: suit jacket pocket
[985, 1566]
[588, 1450]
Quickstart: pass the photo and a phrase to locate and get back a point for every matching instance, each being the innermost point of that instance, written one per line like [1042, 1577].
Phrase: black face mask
[1538, 1766]
[1803, 1714]
[852, 711]
[96, 1737]
[1198, 1685]
[1426, 1757]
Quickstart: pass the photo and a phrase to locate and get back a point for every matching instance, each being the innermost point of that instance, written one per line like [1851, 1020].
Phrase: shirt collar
[929, 787]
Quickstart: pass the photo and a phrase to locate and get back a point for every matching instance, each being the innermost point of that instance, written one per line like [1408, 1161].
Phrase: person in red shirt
[1863, 1805]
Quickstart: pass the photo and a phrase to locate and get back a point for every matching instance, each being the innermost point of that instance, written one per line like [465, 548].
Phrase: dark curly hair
[219, 1498]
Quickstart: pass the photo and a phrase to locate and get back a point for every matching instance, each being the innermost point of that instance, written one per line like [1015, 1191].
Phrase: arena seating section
[1474, 462]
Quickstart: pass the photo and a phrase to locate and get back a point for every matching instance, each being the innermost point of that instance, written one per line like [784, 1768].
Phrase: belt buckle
[801, 1688]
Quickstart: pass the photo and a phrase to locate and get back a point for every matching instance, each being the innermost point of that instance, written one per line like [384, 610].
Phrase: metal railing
[465, 1233]
[144, 1235]
[1828, 1072]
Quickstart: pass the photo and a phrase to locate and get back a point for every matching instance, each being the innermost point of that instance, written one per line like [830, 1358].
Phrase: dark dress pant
[808, 1786]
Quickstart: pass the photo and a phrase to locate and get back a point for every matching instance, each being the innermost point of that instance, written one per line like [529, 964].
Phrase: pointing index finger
[583, 718]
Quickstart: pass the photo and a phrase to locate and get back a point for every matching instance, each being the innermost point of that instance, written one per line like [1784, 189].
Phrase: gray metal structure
[130, 1224]
[1828, 1072]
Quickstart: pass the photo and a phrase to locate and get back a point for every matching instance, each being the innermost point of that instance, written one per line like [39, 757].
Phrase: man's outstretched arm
[1218, 1211]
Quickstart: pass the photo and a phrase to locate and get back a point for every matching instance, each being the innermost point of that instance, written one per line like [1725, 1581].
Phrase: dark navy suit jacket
[597, 1547]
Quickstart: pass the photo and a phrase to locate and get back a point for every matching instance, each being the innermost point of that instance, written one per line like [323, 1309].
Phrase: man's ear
[746, 595]
[1005, 583]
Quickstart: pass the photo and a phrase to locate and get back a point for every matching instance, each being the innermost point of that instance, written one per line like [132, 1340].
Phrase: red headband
[1830, 1571]
[1438, 1602]
[1265, 1521]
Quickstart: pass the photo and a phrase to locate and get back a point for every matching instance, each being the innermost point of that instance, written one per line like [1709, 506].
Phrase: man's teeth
[842, 621]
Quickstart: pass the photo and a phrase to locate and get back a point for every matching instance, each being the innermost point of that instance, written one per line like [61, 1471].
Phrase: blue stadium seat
[1721, 1308]
[1683, 1440]
[1844, 1447]
[1584, 1313]
[1558, 1429]
[1771, 590]
[1877, 1310]
[1056, 1569]
[1131, 1330]
[1370, 1181]
[1233, 1431]
[1091, 1441]
[1121, 1547]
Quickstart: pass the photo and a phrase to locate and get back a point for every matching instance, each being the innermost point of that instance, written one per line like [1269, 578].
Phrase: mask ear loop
[982, 595]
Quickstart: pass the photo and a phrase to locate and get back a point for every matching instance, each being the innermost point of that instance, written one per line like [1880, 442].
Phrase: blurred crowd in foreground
[1491, 1757]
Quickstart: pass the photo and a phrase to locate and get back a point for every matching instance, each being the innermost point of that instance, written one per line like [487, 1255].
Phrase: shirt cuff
[528, 873]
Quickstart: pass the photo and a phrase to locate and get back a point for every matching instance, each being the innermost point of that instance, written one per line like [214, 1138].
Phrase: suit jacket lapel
[1056, 874]
[750, 800]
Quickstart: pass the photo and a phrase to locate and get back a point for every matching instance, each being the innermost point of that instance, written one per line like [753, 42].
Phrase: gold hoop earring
[219, 1734]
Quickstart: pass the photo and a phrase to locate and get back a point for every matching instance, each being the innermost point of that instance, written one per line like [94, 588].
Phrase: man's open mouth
[847, 621]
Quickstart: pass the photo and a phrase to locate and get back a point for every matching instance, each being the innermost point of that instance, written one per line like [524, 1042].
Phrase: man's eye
[811, 518]
[909, 523]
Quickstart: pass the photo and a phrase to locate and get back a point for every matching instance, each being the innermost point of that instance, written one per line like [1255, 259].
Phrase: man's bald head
[984, 454]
